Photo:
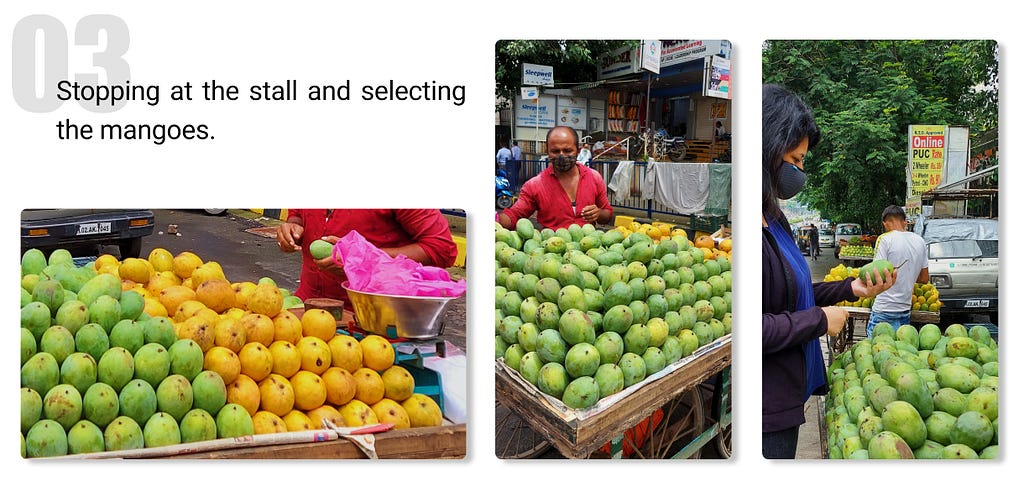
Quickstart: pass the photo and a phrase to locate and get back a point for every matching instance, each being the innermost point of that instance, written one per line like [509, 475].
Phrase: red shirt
[544, 194]
[382, 227]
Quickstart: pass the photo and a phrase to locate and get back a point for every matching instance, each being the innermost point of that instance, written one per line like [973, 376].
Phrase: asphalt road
[244, 244]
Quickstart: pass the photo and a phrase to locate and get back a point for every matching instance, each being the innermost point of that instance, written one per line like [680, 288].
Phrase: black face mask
[563, 163]
[791, 180]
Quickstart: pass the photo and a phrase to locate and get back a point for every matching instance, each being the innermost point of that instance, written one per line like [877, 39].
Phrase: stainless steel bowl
[409, 316]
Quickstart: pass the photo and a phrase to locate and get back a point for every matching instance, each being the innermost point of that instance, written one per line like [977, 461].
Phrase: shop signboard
[539, 112]
[958, 146]
[619, 62]
[650, 58]
[674, 52]
[913, 207]
[529, 92]
[538, 75]
[716, 111]
[926, 152]
[572, 112]
[717, 81]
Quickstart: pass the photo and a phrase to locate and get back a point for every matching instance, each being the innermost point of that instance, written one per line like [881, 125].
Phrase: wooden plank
[579, 437]
[916, 316]
[442, 442]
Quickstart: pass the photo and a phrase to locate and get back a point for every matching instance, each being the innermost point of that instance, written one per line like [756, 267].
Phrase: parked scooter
[673, 147]
[503, 197]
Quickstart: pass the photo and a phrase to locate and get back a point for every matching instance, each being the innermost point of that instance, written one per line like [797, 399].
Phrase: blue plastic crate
[428, 382]
[993, 330]
[83, 261]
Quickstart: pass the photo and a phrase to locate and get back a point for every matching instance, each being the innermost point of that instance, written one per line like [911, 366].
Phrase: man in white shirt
[583, 157]
[898, 247]
[503, 155]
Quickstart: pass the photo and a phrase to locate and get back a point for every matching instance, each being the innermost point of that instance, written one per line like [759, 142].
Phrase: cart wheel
[712, 392]
[723, 440]
[684, 421]
[513, 438]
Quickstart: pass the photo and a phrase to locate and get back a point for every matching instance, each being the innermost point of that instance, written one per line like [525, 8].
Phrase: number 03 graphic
[40, 58]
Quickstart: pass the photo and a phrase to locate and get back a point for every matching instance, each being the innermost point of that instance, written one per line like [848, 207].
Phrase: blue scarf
[814, 363]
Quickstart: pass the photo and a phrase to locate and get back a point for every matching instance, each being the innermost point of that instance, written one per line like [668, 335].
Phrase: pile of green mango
[99, 374]
[915, 394]
[583, 314]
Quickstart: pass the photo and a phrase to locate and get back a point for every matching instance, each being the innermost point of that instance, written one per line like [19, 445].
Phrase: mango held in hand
[320, 249]
[867, 272]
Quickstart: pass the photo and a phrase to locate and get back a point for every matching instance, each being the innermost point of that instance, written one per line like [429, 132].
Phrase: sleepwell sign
[538, 75]
[538, 112]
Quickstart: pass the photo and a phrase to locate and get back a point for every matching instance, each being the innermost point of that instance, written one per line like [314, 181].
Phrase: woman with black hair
[795, 311]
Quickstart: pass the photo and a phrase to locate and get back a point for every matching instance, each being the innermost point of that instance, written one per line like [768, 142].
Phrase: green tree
[864, 95]
[574, 61]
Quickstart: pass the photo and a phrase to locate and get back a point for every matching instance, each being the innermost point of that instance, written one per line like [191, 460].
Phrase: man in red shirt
[565, 193]
[419, 234]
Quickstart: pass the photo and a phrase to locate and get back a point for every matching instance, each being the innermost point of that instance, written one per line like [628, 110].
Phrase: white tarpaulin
[682, 187]
[649, 185]
[621, 181]
[945, 230]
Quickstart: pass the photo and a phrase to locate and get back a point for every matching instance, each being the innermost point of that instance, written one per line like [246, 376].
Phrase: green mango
[867, 272]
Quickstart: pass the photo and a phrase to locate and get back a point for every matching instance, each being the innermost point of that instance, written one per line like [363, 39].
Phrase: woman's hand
[881, 284]
[288, 236]
[328, 264]
[836, 318]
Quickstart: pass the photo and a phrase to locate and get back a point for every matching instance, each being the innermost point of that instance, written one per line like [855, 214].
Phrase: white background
[359, 154]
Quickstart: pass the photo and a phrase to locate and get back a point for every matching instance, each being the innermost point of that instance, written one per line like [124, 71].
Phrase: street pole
[647, 118]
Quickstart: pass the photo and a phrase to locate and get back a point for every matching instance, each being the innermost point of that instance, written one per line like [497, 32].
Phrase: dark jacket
[783, 333]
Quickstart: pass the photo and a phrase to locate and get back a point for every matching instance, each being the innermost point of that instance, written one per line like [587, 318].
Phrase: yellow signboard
[927, 152]
[913, 207]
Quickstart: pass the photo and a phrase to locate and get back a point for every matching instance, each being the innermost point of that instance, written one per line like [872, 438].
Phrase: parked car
[963, 264]
[845, 232]
[82, 231]
[826, 238]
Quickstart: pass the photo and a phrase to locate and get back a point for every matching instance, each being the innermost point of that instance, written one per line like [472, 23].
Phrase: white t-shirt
[583, 157]
[897, 246]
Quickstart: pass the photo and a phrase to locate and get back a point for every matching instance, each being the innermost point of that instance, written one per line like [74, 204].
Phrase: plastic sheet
[371, 270]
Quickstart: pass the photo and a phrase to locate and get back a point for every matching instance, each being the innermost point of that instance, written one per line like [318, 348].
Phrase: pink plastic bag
[370, 269]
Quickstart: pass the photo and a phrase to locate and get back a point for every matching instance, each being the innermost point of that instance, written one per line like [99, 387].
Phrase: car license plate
[976, 304]
[95, 228]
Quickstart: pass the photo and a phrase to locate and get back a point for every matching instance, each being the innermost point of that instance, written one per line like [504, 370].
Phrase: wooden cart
[447, 441]
[676, 390]
[855, 328]
[441, 442]
[854, 260]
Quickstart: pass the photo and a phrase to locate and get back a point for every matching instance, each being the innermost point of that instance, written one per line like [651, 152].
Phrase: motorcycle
[673, 147]
[503, 197]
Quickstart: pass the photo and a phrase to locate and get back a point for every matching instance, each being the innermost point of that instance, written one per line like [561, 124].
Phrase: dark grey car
[82, 231]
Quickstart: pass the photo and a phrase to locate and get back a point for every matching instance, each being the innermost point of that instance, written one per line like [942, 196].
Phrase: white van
[963, 263]
[844, 232]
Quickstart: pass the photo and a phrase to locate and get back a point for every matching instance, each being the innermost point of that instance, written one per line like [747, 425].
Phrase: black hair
[894, 210]
[785, 121]
[575, 135]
